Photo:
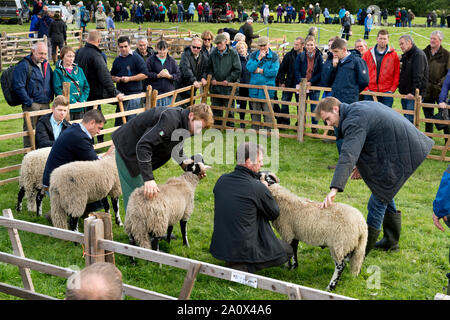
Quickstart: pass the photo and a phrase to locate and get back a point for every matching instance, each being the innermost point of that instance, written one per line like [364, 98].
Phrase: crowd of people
[229, 57]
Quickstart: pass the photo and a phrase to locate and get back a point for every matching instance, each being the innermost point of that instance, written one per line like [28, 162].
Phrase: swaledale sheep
[75, 184]
[154, 217]
[340, 227]
[30, 180]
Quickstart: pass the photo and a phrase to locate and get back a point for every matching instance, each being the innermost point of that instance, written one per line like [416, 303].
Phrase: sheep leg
[132, 242]
[39, 197]
[169, 233]
[105, 204]
[183, 228]
[294, 245]
[115, 205]
[339, 268]
[155, 242]
[73, 223]
[20, 196]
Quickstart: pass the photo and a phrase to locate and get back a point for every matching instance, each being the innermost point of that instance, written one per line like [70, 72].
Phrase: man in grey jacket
[386, 149]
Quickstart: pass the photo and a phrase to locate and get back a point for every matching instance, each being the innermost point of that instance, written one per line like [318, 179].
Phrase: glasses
[194, 47]
[207, 39]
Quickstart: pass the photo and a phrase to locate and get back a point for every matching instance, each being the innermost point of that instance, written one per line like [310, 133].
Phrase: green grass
[417, 271]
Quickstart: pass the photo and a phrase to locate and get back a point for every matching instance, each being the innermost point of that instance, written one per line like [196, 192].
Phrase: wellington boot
[372, 237]
[392, 225]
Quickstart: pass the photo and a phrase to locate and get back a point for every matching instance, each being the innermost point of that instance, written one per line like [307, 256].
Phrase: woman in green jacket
[68, 71]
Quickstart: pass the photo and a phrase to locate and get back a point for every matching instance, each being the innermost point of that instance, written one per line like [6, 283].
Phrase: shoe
[392, 225]
[332, 167]
[372, 237]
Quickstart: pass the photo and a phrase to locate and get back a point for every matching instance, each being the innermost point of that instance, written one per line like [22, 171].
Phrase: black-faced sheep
[152, 218]
[340, 227]
[75, 184]
[30, 180]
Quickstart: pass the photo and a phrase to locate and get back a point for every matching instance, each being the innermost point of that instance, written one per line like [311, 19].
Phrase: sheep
[174, 202]
[30, 180]
[340, 227]
[75, 184]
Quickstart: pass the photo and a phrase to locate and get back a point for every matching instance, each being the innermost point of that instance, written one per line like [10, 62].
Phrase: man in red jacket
[384, 68]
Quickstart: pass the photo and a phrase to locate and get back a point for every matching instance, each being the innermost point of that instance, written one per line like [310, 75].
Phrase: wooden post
[1, 54]
[148, 97]
[417, 108]
[230, 103]
[153, 99]
[81, 38]
[121, 109]
[93, 231]
[269, 104]
[191, 101]
[294, 293]
[206, 89]
[30, 130]
[301, 110]
[66, 93]
[189, 281]
[18, 251]
[108, 233]
[87, 255]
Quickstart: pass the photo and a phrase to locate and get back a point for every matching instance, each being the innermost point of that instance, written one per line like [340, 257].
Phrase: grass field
[417, 271]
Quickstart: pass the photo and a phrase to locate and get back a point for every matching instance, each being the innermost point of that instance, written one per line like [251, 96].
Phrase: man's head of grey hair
[438, 33]
[227, 35]
[37, 44]
[248, 150]
[142, 39]
[407, 37]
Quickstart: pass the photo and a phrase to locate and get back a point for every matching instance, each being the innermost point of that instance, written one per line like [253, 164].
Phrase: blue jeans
[376, 210]
[164, 102]
[286, 96]
[408, 105]
[313, 95]
[387, 101]
[180, 16]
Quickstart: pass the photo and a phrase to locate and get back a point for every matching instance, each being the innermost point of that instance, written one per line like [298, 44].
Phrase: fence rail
[97, 238]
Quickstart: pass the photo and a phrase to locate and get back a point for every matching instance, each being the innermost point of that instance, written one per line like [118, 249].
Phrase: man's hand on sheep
[437, 223]
[150, 189]
[329, 198]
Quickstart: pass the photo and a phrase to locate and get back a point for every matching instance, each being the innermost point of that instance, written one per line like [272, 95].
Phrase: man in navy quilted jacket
[386, 149]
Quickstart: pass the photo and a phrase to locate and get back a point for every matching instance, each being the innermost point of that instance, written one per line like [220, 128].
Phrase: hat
[262, 41]
[220, 37]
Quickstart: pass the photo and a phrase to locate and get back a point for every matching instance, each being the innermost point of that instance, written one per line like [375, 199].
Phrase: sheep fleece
[340, 227]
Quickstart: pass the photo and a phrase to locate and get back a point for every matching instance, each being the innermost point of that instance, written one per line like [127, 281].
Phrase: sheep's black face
[269, 177]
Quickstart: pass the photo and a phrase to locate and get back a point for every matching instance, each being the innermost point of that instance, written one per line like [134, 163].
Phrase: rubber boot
[372, 237]
[392, 225]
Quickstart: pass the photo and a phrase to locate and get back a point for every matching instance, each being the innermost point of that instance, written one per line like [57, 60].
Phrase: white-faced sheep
[156, 216]
[30, 180]
[340, 227]
[75, 184]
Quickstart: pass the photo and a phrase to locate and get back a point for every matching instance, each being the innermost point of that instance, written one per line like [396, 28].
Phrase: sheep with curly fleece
[30, 180]
[156, 216]
[75, 184]
[341, 228]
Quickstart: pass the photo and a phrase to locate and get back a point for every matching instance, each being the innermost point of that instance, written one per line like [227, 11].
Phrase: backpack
[7, 80]
[85, 16]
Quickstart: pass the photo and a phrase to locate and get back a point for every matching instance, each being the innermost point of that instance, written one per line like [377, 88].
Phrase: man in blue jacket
[33, 83]
[386, 149]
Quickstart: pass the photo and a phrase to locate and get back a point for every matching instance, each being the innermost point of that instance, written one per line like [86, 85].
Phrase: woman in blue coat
[68, 71]
[263, 66]
[368, 25]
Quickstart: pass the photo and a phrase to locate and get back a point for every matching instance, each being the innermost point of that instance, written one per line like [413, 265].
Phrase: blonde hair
[241, 44]
[202, 111]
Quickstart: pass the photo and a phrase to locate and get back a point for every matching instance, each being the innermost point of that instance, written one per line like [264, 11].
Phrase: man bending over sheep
[243, 207]
[76, 144]
[386, 149]
[145, 143]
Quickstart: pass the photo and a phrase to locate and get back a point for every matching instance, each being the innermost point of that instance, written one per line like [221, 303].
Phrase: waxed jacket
[192, 70]
[438, 65]
[243, 207]
[385, 147]
[413, 72]
[226, 66]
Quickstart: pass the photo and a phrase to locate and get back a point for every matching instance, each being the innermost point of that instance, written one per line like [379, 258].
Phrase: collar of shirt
[56, 127]
[83, 128]
[345, 58]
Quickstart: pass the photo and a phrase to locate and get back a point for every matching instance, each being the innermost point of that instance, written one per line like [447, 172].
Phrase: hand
[150, 189]
[410, 96]
[437, 223]
[197, 84]
[335, 61]
[355, 174]
[259, 70]
[442, 105]
[125, 79]
[329, 199]
[282, 85]
[120, 96]
[116, 79]
[214, 82]
[225, 82]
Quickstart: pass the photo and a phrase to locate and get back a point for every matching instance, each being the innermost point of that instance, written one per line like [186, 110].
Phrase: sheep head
[269, 177]
[196, 165]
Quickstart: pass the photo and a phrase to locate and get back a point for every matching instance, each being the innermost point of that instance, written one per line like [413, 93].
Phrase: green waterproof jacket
[224, 66]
